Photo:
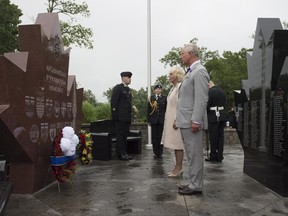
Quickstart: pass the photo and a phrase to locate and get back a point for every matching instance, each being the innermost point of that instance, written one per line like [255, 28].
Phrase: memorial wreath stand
[62, 168]
[63, 157]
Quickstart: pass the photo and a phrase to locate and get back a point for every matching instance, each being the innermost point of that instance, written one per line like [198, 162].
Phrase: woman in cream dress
[171, 135]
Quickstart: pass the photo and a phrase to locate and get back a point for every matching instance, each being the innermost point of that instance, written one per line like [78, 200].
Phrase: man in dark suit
[155, 118]
[121, 114]
[216, 122]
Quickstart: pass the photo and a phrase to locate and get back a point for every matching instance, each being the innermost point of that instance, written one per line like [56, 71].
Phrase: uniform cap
[126, 74]
[158, 86]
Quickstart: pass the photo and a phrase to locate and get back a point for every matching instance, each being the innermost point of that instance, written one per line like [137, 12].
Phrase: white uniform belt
[217, 108]
[217, 111]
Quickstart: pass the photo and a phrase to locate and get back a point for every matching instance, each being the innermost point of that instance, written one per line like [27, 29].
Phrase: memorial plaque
[239, 117]
[254, 124]
[246, 125]
[38, 98]
[264, 134]
[264, 129]
[279, 124]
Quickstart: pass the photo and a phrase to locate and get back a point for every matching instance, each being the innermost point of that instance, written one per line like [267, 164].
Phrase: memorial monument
[261, 107]
[37, 99]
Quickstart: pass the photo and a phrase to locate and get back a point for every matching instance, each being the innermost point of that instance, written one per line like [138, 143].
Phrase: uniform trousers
[216, 138]
[122, 130]
[157, 131]
[193, 144]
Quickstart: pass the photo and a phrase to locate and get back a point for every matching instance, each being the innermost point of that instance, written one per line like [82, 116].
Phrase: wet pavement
[141, 187]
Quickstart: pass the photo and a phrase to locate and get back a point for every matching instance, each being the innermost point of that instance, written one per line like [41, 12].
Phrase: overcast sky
[120, 34]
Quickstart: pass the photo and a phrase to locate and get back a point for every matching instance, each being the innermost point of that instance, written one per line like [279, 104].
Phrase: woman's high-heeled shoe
[168, 173]
[180, 173]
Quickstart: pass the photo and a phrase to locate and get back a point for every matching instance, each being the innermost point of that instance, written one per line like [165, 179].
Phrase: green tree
[89, 112]
[72, 33]
[103, 111]
[140, 100]
[108, 94]
[173, 58]
[90, 97]
[227, 71]
[9, 16]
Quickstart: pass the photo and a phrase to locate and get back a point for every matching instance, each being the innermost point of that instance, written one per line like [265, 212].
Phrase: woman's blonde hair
[179, 72]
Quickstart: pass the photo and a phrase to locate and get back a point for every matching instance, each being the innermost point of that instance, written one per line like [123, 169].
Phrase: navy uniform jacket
[121, 103]
[216, 98]
[158, 115]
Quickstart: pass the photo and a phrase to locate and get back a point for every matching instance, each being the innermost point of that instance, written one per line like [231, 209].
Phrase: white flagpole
[149, 60]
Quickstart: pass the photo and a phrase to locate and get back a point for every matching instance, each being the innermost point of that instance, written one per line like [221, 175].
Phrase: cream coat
[172, 138]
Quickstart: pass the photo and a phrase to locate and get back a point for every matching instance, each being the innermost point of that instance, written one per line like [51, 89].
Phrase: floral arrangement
[63, 154]
[85, 148]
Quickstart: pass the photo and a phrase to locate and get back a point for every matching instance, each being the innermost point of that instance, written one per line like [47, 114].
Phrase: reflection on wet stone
[163, 197]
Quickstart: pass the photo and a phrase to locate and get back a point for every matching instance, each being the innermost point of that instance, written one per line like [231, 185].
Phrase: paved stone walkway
[141, 187]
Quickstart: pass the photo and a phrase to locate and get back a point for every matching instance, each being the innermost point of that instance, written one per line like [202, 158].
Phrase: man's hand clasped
[195, 127]
[175, 127]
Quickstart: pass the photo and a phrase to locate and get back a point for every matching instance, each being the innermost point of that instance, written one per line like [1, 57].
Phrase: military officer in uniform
[121, 114]
[216, 122]
[155, 118]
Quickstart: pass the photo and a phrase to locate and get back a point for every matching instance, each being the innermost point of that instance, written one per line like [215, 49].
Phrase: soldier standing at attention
[155, 118]
[121, 114]
[216, 122]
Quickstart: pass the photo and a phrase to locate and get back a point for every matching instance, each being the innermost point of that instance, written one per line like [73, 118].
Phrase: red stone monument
[37, 99]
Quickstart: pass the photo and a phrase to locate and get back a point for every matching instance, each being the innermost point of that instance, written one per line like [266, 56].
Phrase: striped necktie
[188, 70]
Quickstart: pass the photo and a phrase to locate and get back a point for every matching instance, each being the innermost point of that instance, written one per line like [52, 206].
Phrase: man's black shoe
[189, 191]
[123, 157]
[220, 159]
[158, 157]
[211, 160]
[182, 187]
[129, 157]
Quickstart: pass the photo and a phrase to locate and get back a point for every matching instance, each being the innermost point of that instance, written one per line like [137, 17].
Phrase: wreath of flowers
[85, 148]
[62, 172]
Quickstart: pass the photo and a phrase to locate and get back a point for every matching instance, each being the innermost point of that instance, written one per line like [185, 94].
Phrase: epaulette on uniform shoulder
[118, 85]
